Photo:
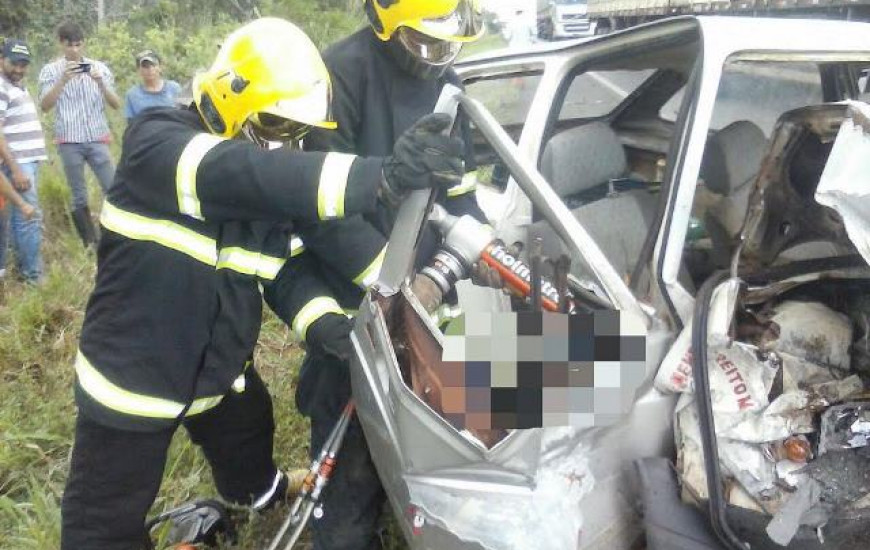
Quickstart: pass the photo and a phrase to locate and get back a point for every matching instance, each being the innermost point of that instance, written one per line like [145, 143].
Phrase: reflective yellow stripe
[368, 277]
[118, 399]
[163, 232]
[467, 185]
[333, 183]
[314, 310]
[249, 263]
[185, 173]
[297, 247]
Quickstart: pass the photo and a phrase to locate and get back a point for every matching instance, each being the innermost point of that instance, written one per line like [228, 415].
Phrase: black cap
[147, 55]
[16, 51]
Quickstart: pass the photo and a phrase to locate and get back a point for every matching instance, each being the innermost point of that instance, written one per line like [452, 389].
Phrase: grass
[39, 331]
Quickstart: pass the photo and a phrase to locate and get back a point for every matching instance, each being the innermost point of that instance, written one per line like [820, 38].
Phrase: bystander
[80, 87]
[22, 148]
[154, 90]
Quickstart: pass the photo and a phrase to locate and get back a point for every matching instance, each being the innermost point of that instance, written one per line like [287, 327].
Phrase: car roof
[724, 34]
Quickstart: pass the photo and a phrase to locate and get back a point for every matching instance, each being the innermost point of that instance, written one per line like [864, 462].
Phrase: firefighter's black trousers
[354, 498]
[115, 474]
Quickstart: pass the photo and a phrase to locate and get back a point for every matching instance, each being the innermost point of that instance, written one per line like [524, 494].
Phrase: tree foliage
[185, 33]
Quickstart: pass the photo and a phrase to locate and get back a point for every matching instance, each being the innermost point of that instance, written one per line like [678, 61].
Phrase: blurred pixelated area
[540, 369]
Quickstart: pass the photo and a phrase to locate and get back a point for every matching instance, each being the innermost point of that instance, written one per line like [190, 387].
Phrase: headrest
[733, 157]
[583, 157]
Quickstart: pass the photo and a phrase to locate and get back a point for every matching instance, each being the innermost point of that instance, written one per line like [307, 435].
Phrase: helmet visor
[463, 24]
[429, 50]
[270, 127]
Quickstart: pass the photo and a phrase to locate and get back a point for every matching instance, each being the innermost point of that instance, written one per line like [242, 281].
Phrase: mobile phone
[84, 68]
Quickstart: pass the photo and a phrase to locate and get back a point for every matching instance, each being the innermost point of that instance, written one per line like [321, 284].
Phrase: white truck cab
[563, 19]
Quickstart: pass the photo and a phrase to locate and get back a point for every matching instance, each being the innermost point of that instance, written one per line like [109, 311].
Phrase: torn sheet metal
[845, 427]
[845, 182]
[785, 524]
[545, 517]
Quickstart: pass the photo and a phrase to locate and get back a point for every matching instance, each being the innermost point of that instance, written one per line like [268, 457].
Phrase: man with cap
[22, 148]
[154, 91]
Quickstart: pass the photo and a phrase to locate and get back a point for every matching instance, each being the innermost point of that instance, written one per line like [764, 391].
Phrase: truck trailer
[611, 15]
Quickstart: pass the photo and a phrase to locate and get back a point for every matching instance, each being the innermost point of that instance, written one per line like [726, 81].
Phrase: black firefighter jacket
[193, 226]
[374, 102]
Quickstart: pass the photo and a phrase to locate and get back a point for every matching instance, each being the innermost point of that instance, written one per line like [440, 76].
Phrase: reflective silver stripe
[163, 232]
[118, 399]
[265, 498]
[188, 241]
[297, 247]
[467, 185]
[249, 263]
[333, 183]
[312, 311]
[185, 174]
[370, 275]
[239, 383]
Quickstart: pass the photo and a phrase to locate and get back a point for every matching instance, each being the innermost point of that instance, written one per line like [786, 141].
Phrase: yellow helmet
[267, 79]
[447, 20]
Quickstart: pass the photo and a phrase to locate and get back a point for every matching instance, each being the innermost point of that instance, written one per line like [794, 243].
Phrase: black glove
[423, 157]
[331, 335]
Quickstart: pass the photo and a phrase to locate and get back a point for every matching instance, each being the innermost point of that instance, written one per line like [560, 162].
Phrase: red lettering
[736, 380]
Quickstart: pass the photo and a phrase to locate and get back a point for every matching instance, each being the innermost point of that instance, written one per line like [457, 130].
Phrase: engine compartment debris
[786, 395]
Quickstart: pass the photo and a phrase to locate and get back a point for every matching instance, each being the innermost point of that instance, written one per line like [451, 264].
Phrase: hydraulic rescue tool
[319, 474]
[467, 241]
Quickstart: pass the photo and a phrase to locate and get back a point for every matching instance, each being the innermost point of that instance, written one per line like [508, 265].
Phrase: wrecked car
[677, 166]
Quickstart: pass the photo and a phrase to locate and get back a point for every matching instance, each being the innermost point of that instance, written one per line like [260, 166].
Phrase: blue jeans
[26, 234]
[74, 156]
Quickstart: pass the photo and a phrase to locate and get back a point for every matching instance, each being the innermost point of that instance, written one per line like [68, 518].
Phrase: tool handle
[517, 276]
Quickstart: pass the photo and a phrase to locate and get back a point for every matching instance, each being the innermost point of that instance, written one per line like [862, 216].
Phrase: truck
[605, 16]
[563, 19]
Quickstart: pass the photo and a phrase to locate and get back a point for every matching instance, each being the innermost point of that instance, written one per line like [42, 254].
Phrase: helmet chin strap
[249, 132]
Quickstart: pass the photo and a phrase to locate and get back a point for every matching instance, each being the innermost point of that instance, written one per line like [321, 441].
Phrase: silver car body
[563, 488]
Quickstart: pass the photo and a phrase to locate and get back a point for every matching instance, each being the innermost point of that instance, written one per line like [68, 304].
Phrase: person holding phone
[80, 88]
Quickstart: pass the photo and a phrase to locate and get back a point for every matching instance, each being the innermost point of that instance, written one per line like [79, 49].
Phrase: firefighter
[387, 76]
[200, 215]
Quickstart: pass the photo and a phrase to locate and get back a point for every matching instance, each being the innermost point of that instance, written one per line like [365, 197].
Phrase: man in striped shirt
[22, 148]
[81, 88]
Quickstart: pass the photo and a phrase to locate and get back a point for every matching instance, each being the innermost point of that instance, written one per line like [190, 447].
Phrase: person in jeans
[154, 91]
[22, 148]
[80, 88]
